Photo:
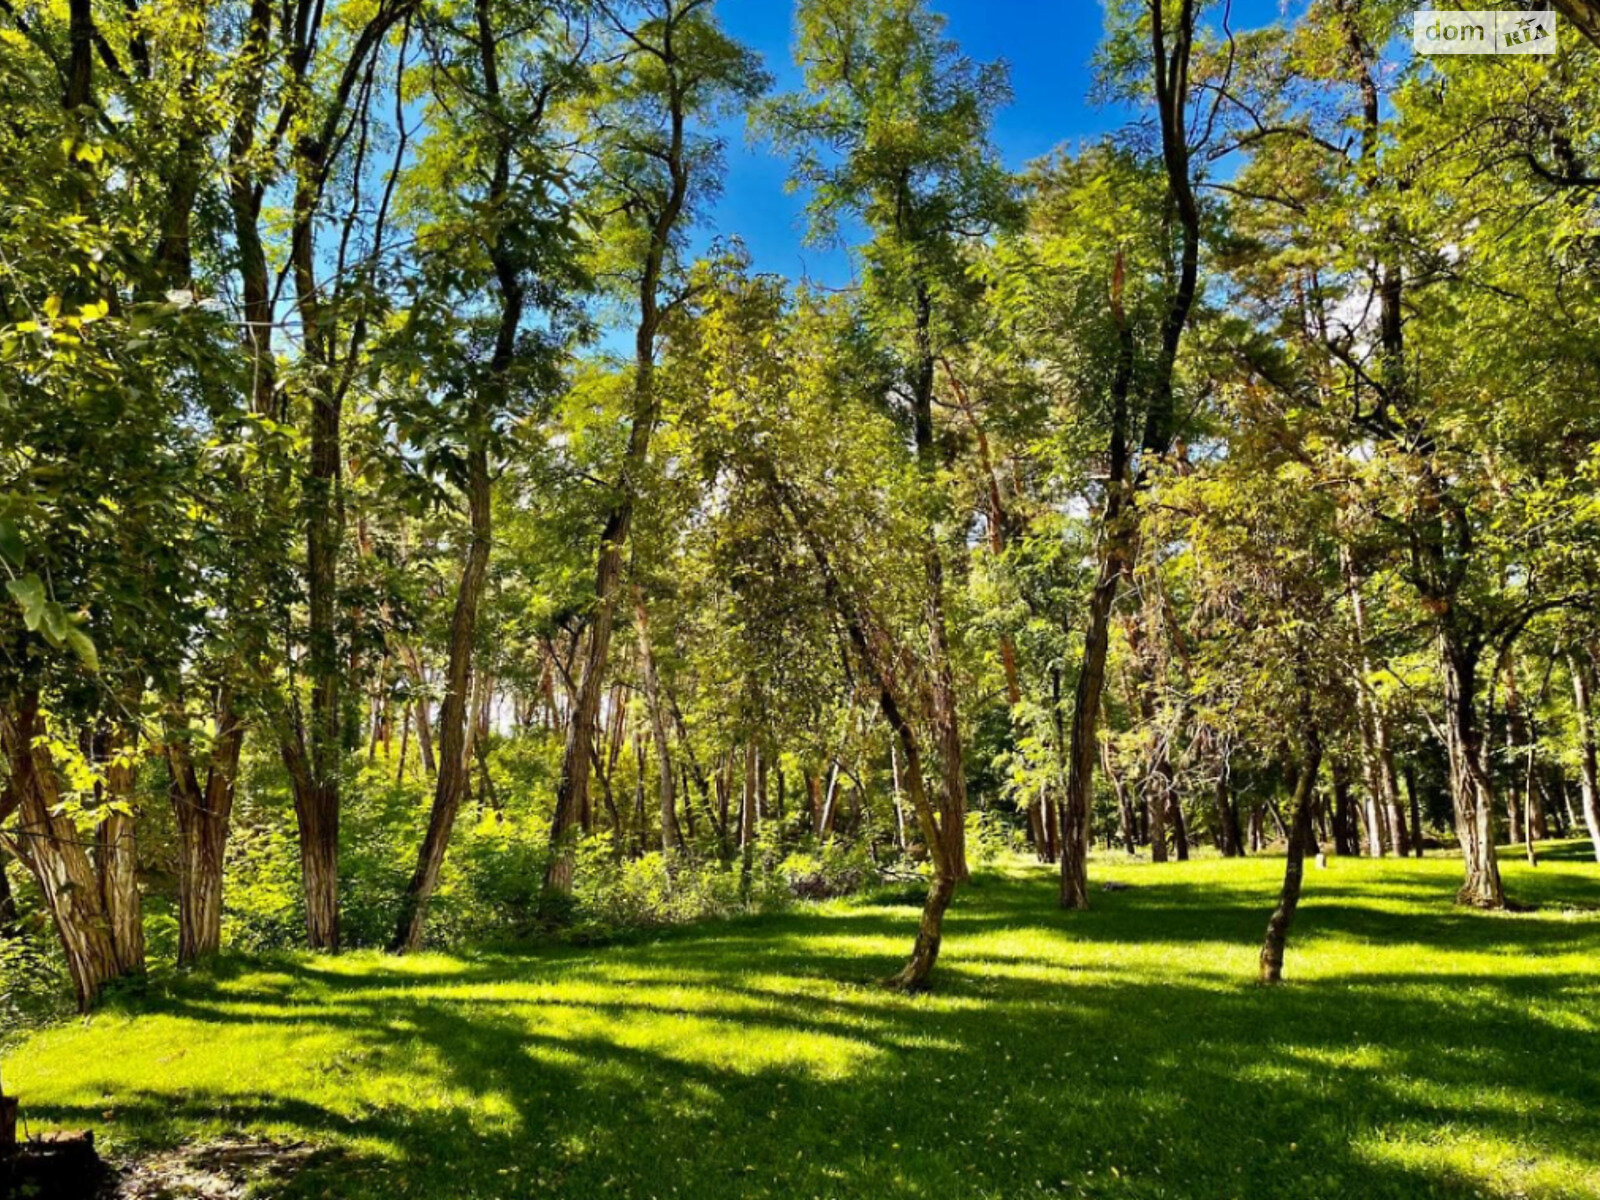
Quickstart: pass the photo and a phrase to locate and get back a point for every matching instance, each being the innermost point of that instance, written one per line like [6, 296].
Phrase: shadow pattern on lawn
[635, 1070]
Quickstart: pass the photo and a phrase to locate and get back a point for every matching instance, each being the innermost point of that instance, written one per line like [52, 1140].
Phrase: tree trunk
[1416, 809]
[202, 816]
[1227, 815]
[1083, 748]
[450, 788]
[53, 850]
[1470, 788]
[1582, 702]
[117, 863]
[1299, 835]
[1180, 828]
[671, 836]
[424, 723]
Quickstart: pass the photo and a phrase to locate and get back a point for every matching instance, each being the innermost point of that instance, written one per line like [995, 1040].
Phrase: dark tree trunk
[1416, 809]
[1229, 840]
[1299, 837]
[1346, 843]
[1180, 827]
[1470, 788]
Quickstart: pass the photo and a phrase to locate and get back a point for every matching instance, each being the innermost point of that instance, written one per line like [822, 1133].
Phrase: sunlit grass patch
[1417, 1050]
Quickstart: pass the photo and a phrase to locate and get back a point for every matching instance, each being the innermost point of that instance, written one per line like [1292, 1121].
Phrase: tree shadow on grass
[731, 1061]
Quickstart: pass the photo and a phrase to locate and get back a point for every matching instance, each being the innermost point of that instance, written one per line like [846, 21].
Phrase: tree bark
[1582, 669]
[53, 850]
[202, 815]
[1470, 788]
[671, 836]
[1272, 947]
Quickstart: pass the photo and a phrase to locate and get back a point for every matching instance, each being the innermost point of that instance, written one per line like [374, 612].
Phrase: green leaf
[56, 624]
[11, 547]
[28, 592]
[80, 644]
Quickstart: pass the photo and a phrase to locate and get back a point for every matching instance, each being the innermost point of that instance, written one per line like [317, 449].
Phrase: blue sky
[1048, 45]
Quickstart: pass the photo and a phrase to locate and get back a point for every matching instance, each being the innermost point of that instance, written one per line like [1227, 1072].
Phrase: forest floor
[1418, 1050]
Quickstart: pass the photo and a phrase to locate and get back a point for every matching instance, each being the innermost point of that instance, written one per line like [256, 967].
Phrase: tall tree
[672, 70]
[893, 129]
[502, 215]
[1169, 27]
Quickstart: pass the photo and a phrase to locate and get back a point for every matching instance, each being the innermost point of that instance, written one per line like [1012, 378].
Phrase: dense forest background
[419, 527]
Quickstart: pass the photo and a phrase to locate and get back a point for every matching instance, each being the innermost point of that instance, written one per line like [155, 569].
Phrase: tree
[503, 215]
[893, 129]
[1169, 26]
[672, 67]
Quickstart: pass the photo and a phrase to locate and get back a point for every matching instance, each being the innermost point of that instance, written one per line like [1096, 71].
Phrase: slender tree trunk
[671, 836]
[1299, 836]
[1077, 804]
[1416, 809]
[1180, 827]
[572, 793]
[1170, 44]
[450, 786]
[424, 723]
[311, 748]
[1227, 815]
[1582, 669]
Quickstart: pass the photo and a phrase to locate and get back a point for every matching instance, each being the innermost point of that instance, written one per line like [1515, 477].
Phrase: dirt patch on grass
[222, 1170]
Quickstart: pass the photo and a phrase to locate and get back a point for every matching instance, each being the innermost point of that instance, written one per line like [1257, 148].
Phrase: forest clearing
[1423, 1050]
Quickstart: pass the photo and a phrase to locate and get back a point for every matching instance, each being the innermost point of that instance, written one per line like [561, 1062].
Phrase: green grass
[1417, 1050]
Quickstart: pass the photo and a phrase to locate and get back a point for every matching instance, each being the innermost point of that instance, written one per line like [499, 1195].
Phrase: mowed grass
[1418, 1050]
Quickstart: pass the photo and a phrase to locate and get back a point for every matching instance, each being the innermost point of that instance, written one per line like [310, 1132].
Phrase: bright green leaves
[50, 620]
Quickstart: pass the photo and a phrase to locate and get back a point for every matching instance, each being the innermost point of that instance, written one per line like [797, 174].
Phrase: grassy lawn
[1418, 1050]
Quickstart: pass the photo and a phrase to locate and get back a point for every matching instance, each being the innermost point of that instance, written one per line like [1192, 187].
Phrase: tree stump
[63, 1166]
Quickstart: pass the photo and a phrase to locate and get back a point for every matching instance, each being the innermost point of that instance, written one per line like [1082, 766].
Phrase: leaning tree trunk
[1083, 740]
[450, 788]
[1295, 860]
[53, 850]
[914, 976]
[572, 792]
